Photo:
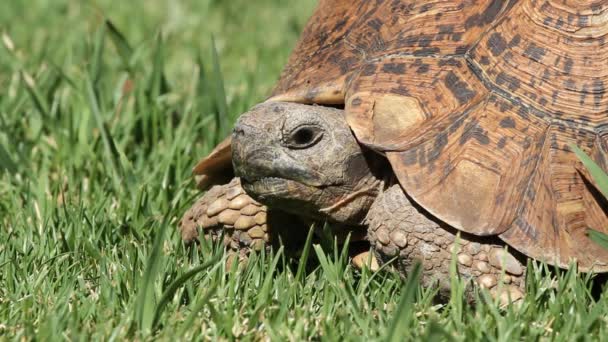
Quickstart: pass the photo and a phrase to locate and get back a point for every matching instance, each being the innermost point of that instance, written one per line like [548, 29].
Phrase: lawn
[105, 106]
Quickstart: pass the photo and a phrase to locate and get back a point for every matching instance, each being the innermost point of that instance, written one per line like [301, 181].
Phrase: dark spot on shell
[407, 40]
[400, 90]
[497, 44]
[559, 23]
[345, 64]
[598, 91]
[368, 70]
[535, 52]
[424, 41]
[547, 21]
[409, 157]
[356, 102]
[456, 37]
[461, 50]
[515, 41]
[527, 143]
[484, 60]
[472, 129]
[456, 125]
[446, 29]
[557, 60]
[422, 160]
[423, 69]
[426, 8]
[394, 68]
[523, 112]
[568, 64]
[570, 18]
[458, 88]
[507, 122]
[512, 83]
[482, 138]
[339, 25]
[486, 17]
[375, 24]
[524, 226]
[584, 93]
[505, 106]
[439, 144]
[501, 142]
[570, 84]
[583, 20]
[449, 61]
[597, 7]
[554, 96]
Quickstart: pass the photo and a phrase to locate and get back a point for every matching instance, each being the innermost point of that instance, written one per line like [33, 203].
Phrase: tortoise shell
[475, 103]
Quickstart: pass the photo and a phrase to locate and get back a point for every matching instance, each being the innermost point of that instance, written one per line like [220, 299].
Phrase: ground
[105, 106]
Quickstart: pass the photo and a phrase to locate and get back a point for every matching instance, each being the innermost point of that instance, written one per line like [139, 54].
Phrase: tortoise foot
[245, 225]
[226, 210]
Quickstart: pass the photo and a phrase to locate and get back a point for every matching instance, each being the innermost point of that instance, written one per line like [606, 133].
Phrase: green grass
[105, 106]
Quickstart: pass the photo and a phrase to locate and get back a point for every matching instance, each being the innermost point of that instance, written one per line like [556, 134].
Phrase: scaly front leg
[245, 224]
[398, 228]
[226, 210]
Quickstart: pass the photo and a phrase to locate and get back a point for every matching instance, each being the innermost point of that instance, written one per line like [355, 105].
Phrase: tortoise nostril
[238, 130]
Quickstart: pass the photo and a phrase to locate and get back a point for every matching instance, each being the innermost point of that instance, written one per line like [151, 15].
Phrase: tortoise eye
[303, 137]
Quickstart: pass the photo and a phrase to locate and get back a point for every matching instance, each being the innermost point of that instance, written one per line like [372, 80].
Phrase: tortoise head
[305, 160]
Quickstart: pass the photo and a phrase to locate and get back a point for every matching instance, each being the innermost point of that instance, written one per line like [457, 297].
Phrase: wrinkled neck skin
[305, 160]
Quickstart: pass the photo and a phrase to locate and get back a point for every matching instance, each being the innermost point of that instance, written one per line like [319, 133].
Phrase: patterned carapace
[475, 104]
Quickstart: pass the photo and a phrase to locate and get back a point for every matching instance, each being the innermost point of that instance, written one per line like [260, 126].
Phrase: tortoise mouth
[267, 187]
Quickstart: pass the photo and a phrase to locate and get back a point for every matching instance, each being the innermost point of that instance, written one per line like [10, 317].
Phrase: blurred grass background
[105, 106]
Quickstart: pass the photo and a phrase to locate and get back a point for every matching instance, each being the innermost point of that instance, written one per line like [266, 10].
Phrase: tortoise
[429, 129]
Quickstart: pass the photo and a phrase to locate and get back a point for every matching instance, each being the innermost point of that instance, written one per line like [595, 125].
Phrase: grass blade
[598, 237]
[187, 324]
[304, 257]
[122, 45]
[39, 101]
[96, 67]
[158, 83]
[398, 328]
[112, 153]
[145, 305]
[264, 293]
[221, 105]
[599, 176]
[6, 163]
[172, 288]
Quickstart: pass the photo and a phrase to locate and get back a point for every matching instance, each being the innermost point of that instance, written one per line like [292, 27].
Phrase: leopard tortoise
[409, 123]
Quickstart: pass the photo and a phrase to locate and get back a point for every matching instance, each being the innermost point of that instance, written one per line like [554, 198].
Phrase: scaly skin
[397, 228]
[245, 224]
